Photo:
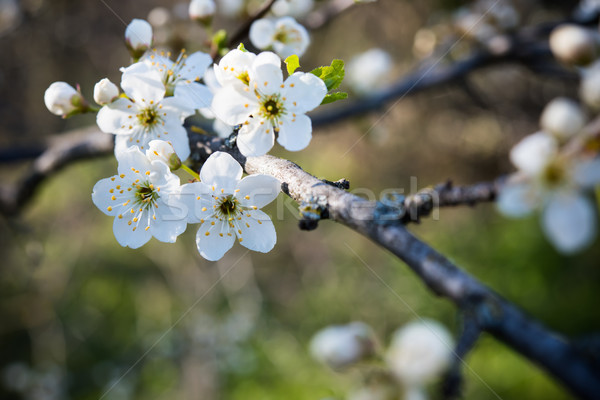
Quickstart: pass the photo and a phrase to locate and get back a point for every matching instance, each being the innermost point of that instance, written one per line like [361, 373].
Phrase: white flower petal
[258, 232]
[303, 92]
[569, 221]
[517, 199]
[127, 236]
[101, 196]
[132, 158]
[262, 32]
[587, 173]
[258, 190]
[194, 198]
[563, 117]
[178, 137]
[534, 152]
[295, 133]
[232, 65]
[114, 117]
[233, 107]
[143, 83]
[194, 95]
[255, 139]
[170, 222]
[221, 171]
[195, 66]
[176, 109]
[266, 75]
[214, 245]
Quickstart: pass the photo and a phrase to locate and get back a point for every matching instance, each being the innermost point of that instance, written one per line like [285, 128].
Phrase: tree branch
[495, 315]
[243, 31]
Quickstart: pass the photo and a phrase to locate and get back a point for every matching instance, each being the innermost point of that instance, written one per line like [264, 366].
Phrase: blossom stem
[190, 171]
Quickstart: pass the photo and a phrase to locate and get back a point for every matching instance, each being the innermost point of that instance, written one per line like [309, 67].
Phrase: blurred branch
[243, 30]
[495, 315]
[325, 14]
[64, 149]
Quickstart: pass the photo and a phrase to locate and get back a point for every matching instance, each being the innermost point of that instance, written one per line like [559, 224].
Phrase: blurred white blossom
[556, 184]
[292, 8]
[62, 99]
[339, 346]
[419, 352]
[284, 35]
[138, 37]
[369, 71]
[573, 44]
[563, 118]
[202, 10]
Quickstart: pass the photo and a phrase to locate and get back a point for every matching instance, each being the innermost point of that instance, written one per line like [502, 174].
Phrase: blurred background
[83, 318]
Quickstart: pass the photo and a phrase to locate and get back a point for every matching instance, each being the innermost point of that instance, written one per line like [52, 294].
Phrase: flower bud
[342, 345]
[574, 45]
[105, 92]
[138, 37]
[563, 118]
[62, 99]
[369, 71]
[419, 352]
[163, 151]
[202, 10]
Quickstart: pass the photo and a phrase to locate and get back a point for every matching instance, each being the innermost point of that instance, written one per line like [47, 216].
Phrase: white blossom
[228, 207]
[231, 8]
[138, 37]
[284, 35]
[556, 184]
[202, 10]
[268, 105]
[163, 151]
[563, 118]
[180, 77]
[339, 346]
[589, 89]
[146, 114]
[61, 98]
[419, 352]
[369, 71]
[105, 92]
[573, 44]
[292, 8]
[140, 199]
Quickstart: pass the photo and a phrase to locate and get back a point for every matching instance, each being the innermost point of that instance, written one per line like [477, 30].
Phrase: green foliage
[292, 63]
[242, 48]
[333, 76]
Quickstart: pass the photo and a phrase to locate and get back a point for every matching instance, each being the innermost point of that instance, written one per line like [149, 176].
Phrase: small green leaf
[292, 63]
[330, 98]
[242, 48]
[220, 38]
[332, 75]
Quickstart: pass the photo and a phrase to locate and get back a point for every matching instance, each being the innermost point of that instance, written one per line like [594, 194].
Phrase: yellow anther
[155, 152]
[203, 208]
[122, 176]
[198, 198]
[147, 172]
[237, 190]
[220, 234]
[120, 216]
[147, 228]
[135, 219]
[222, 190]
[260, 223]
[254, 207]
[212, 222]
[207, 233]
[112, 179]
[109, 208]
[240, 231]
[247, 197]
[240, 239]
[247, 225]
[134, 228]
[111, 191]
[113, 198]
[127, 202]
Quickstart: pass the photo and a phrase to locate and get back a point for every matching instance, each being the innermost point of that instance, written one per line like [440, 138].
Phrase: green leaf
[332, 75]
[220, 38]
[330, 98]
[242, 48]
[292, 63]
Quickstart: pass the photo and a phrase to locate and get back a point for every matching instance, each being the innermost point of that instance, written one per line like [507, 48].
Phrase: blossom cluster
[244, 92]
[558, 166]
[419, 352]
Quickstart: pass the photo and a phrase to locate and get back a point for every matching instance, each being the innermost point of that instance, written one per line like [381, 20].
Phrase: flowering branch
[493, 314]
[244, 29]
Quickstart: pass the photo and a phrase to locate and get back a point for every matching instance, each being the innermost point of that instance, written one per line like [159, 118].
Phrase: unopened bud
[63, 99]
[563, 118]
[419, 352]
[202, 10]
[342, 345]
[138, 37]
[163, 151]
[574, 45]
[105, 92]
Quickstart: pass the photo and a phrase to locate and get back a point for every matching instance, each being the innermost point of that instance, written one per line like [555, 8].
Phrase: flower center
[272, 107]
[554, 174]
[228, 206]
[145, 194]
[148, 116]
[244, 77]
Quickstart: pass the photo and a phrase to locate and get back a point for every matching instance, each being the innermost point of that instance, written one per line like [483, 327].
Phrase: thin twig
[243, 31]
